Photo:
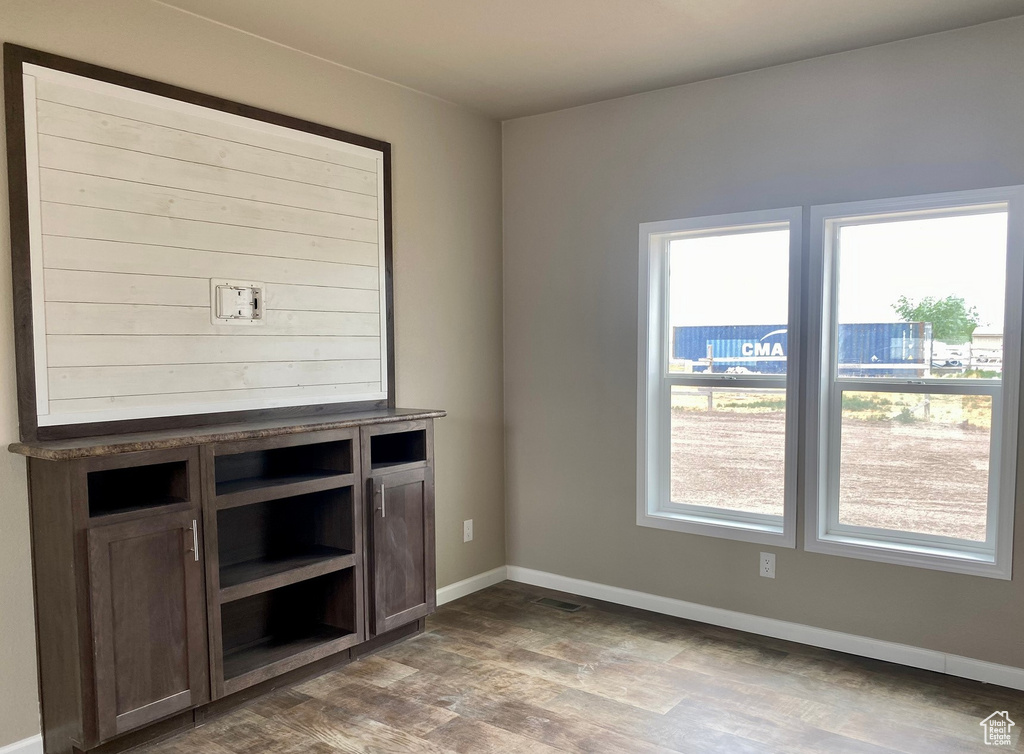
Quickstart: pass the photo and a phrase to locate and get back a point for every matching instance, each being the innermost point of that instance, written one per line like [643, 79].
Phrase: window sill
[916, 556]
[722, 528]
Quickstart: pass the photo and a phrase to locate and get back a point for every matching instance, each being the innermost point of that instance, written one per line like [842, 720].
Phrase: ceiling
[521, 57]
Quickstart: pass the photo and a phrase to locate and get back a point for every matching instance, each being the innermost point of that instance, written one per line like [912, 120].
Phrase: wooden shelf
[261, 489]
[242, 476]
[254, 576]
[272, 631]
[262, 657]
[398, 465]
[149, 504]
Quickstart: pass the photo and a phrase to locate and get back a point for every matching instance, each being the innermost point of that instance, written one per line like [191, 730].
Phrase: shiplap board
[88, 254]
[129, 350]
[110, 162]
[113, 225]
[158, 319]
[138, 201]
[164, 379]
[76, 189]
[137, 136]
[178, 404]
[35, 228]
[76, 91]
[77, 286]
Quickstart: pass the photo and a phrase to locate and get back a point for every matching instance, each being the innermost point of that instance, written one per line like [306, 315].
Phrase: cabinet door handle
[194, 549]
[383, 505]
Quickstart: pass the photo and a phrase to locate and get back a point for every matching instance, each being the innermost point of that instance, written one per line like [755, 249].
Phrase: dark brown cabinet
[400, 488]
[148, 620]
[173, 570]
[401, 546]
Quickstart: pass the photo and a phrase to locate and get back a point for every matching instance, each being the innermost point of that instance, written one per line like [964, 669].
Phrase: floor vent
[568, 607]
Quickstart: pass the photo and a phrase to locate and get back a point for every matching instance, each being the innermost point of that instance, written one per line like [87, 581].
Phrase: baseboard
[32, 745]
[903, 654]
[466, 586]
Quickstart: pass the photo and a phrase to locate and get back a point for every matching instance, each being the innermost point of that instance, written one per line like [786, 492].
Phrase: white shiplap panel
[62, 187]
[65, 253]
[111, 162]
[112, 131]
[106, 382]
[135, 319]
[74, 286]
[131, 350]
[108, 225]
[140, 106]
[142, 201]
[178, 404]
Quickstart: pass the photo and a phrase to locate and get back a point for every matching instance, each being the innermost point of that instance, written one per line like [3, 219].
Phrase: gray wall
[934, 114]
[447, 220]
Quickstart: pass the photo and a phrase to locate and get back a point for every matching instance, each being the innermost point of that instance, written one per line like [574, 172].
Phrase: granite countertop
[86, 447]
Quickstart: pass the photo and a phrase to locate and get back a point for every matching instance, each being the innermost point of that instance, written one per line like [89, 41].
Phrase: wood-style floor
[496, 672]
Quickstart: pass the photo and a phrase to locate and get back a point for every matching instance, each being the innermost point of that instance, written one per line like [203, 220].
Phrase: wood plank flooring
[495, 672]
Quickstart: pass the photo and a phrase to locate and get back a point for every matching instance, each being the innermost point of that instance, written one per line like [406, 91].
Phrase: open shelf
[240, 474]
[274, 631]
[272, 544]
[134, 488]
[256, 483]
[247, 492]
[268, 651]
[255, 576]
[398, 448]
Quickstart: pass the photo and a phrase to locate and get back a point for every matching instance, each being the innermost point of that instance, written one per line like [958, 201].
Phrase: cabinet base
[197, 716]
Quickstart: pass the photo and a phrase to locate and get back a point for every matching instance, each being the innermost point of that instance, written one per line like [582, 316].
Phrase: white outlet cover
[467, 530]
[766, 565]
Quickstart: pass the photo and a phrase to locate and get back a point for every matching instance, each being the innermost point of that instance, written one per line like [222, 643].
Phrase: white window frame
[654, 383]
[822, 531]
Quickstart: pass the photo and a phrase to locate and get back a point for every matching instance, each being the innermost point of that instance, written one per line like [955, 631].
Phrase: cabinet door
[148, 620]
[402, 582]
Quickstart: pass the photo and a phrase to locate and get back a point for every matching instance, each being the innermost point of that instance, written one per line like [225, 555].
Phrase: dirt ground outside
[902, 468]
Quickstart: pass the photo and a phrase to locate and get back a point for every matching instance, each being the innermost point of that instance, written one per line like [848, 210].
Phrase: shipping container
[882, 349]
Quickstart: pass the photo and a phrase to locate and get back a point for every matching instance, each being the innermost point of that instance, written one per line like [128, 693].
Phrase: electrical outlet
[467, 530]
[768, 565]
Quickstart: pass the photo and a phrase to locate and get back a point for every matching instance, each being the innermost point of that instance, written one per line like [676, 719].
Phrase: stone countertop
[87, 447]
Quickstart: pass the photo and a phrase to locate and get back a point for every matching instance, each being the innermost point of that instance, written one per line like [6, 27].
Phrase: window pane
[728, 448]
[915, 463]
[729, 303]
[923, 297]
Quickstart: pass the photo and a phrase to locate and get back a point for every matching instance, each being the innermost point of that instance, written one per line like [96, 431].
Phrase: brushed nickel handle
[194, 549]
[383, 505]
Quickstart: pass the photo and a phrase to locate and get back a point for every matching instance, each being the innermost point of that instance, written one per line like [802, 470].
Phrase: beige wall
[934, 114]
[447, 221]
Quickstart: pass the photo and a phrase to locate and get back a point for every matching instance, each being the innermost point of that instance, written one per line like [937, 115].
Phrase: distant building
[987, 344]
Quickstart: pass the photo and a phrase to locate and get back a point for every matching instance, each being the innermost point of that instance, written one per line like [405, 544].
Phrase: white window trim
[994, 559]
[654, 507]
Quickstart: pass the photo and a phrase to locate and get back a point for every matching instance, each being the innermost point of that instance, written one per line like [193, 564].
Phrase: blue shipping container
[884, 349]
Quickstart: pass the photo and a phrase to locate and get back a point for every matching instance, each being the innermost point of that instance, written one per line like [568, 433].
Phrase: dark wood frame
[14, 58]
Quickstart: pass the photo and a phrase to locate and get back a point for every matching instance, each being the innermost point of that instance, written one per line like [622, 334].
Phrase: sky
[742, 279]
